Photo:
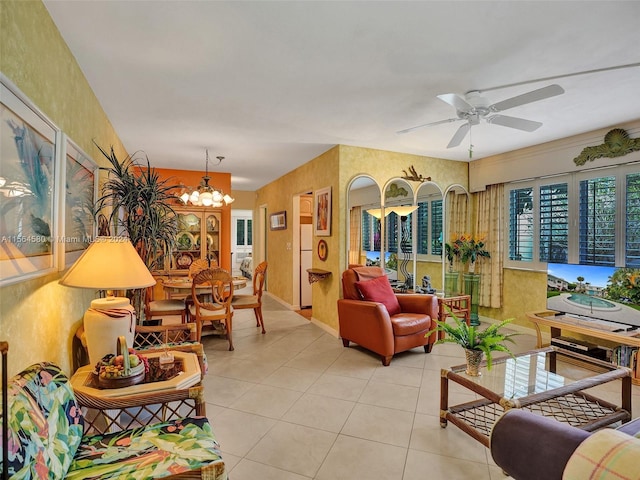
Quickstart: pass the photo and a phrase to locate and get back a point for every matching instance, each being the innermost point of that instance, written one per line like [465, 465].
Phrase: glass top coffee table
[530, 381]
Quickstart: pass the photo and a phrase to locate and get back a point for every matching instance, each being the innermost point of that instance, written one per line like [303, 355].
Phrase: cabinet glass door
[213, 240]
[187, 240]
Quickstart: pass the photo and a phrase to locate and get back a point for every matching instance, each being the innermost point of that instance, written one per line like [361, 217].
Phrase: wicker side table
[114, 409]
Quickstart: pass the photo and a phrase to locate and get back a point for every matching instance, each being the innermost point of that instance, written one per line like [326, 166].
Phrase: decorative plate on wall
[323, 250]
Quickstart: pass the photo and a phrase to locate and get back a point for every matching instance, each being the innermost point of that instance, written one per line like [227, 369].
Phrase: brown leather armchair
[369, 324]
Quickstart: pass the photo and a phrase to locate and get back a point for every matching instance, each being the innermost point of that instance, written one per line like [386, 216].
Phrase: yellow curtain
[355, 235]
[488, 225]
[457, 210]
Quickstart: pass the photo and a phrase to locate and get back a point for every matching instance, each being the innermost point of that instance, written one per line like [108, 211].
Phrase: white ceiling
[270, 85]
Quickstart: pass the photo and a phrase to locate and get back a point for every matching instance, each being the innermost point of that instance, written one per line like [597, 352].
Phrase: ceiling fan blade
[514, 122]
[407, 130]
[456, 101]
[459, 135]
[533, 96]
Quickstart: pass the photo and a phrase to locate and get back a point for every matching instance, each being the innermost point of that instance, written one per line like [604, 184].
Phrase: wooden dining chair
[253, 301]
[156, 308]
[214, 307]
[199, 265]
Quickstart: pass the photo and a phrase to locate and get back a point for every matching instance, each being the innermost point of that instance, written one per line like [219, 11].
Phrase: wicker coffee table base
[568, 404]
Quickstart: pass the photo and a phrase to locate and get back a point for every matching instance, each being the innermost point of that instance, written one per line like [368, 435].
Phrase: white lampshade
[377, 212]
[206, 199]
[110, 263]
[404, 210]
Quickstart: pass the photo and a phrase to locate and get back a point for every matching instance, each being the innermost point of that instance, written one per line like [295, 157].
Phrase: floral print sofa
[47, 440]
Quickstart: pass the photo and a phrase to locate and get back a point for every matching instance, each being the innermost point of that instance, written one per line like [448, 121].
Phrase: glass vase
[472, 288]
[451, 284]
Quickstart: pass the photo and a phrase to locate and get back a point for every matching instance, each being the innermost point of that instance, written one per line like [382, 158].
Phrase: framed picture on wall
[77, 220]
[278, 221]
[322, 212]
[29, 150]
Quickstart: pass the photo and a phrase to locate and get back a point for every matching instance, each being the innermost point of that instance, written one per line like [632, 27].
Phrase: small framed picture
[322, 212]
[278, 221]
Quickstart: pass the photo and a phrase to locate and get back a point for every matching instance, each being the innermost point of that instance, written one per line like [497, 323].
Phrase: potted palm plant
[476, 343]
[140, 205]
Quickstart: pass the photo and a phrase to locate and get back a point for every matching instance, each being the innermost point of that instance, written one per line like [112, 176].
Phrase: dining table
[181, 287]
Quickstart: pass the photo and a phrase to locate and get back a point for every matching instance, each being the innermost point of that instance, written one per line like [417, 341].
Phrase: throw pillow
[379, 290]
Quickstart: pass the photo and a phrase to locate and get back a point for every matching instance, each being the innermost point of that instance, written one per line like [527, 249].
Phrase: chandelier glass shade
[204, 194]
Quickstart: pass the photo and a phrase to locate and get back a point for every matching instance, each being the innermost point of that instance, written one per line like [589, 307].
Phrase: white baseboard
[331, 331]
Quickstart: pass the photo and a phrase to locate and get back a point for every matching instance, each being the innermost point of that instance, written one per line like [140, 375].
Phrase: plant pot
[474, 357]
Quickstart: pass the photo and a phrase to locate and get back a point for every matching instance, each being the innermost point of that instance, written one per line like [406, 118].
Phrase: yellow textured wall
[278, 196]
[383, 165]
[336, 168]
[433, 269]
[523, 291]
[243, 199]
[39, 317]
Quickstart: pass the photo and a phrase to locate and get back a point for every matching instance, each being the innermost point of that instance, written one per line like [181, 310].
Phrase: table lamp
[110, 263]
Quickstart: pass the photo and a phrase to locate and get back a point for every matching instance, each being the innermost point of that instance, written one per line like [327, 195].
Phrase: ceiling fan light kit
[474, 108]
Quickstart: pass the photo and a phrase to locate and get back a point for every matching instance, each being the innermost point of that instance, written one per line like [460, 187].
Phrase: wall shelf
[317, 274]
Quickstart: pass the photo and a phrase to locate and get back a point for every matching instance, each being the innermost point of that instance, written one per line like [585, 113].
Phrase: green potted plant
[139, 203]
[476, 343]
[468, 249]
[450, 254]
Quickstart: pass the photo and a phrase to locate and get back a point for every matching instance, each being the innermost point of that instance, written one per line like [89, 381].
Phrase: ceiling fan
[473, 108]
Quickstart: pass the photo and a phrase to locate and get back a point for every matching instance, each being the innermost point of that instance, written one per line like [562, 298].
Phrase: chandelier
[205, 195]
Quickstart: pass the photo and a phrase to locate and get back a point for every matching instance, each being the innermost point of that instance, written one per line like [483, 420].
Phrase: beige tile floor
[294, 404]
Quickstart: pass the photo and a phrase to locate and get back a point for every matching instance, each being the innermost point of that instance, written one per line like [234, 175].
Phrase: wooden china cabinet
[198, 236]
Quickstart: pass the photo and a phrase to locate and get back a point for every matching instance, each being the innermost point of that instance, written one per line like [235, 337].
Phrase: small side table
[460, 306]
[109, 410]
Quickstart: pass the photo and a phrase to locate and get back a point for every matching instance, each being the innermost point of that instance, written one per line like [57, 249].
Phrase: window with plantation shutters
[632, 224]
[423, 227]
[521, 224]
[366, 230]
[436, 227]
[588, 218]
[429, 225]
[597, 232]
[391, 232]
[554, 223]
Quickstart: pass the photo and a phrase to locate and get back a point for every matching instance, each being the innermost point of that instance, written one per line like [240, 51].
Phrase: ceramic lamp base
[104, 322]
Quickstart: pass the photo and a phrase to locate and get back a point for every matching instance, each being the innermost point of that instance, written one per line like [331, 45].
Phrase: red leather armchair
[369, 324]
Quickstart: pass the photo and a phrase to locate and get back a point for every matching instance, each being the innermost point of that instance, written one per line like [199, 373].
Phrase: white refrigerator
[306, 258]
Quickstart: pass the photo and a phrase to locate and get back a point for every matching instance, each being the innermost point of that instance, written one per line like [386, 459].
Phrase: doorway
[242, 242]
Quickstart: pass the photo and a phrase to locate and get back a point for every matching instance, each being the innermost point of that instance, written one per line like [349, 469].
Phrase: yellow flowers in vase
[468, 248]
